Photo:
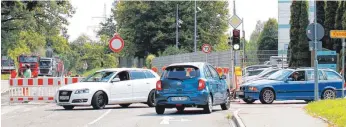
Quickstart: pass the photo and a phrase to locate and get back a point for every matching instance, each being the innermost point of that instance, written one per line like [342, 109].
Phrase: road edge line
[237, 120]
[100, 117]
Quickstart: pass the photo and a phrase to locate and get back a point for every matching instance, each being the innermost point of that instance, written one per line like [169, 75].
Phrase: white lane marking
[103, 115]
[239, 121]
[166, 119]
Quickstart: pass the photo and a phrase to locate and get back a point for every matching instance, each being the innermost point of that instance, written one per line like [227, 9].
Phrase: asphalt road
[137, 115]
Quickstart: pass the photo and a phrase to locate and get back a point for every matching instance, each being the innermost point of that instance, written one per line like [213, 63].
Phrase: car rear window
[180, 72]
[149, 74]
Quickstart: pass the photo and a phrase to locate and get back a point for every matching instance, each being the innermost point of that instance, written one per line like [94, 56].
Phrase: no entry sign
[206, 48]
[116, 44]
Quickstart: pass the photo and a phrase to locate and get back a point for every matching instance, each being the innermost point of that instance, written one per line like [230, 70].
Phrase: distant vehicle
[194, 84]
[278, 61]
[50, 67]
[7, 64]
[266, 63]
[282, 85]
[32, 60]
[254, 67]
[327, 59]
[254, 72]
[122, 86]
[264, 74]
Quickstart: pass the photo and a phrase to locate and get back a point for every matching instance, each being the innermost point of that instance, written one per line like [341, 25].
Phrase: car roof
[122, 69]
[196, 64]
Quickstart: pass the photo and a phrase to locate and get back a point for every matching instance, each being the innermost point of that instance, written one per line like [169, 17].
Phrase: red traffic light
[236, 33]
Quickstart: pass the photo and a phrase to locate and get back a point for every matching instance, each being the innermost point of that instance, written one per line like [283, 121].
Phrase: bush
[89, 72]
[149, 60]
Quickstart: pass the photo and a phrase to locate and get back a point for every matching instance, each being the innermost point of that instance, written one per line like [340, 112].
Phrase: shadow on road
[87, 108]
[171, 112]
[275, 103]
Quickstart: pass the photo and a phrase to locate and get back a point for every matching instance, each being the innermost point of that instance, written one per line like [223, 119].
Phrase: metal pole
[315, 63]
[243, 59]
[176, 29]
[195, 41]
[343, 67]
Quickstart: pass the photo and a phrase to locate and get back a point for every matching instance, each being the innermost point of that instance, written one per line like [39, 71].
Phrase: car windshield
[102, 76]
[254, 72]
[28, 59]
[181, 72]
[44, 63]
[280, 75]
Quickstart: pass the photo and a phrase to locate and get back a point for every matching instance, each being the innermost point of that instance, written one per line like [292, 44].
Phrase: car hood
[262, 82]
[82, 85]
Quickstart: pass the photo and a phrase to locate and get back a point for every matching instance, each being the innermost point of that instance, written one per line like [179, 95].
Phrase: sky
[89, 12]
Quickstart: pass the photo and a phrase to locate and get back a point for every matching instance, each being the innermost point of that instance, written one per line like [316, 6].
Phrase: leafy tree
[268, 39]
[338, 23]
[252, 45]
[329, 23]
[172, 50]
[320, 5]
[149, 60]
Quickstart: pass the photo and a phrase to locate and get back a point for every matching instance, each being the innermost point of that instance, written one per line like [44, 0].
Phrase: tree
[252, 45]
[329, 24]
[338, 23]
[268, 39]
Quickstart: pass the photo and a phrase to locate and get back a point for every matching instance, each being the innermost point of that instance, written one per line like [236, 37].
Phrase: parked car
[289, 84]
[254, 67]
[191, 85]
[122, 86]
[254, 72]
[264, 74]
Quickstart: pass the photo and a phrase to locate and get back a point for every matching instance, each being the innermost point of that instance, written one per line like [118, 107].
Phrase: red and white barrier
[37, 89]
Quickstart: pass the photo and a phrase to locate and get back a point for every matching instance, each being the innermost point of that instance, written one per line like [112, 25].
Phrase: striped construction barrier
[37, 89]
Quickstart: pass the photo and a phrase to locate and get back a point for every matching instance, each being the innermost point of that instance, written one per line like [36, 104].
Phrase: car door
[141, 85]
[121, 92]
[210, 81]
[218, 96]
[293, 89]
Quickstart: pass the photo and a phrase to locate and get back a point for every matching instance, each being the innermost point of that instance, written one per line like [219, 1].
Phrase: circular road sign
[206, 48]
[310, 31]
[116, 44]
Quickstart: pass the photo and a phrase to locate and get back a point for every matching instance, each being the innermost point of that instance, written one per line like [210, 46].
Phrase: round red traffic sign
[116, 44]
[206, 48]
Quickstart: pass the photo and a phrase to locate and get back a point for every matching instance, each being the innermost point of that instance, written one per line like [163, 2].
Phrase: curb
[325, 120]
[237, 120]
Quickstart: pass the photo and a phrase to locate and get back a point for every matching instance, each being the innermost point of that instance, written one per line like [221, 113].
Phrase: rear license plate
[64, 97]
[179, 98]
[240, 93]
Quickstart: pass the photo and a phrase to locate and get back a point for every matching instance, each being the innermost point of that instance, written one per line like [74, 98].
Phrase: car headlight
[252, 88]
[81, 91]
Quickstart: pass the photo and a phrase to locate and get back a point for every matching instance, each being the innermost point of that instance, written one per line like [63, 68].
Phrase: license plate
[64, 97]
[179, 98]
[240, 93]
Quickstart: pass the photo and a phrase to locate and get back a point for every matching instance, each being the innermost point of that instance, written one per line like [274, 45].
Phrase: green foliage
[332, 110]
[252, 45]
[87, 73]
[172, 50]
[329, 23]
[320, 11]
[149, 59]
[338, 23]
[5, 76]
[268, 39]
[299, 55]
[344, 18]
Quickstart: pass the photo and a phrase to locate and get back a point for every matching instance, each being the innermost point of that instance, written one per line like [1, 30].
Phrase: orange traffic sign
[338, 34]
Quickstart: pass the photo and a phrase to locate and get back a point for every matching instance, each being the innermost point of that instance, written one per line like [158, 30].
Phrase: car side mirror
[115, 80]
[289, 79]
[223, 77]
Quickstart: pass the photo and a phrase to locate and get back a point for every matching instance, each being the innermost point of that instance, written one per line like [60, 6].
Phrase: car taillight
[345, 85]
[158, 85]
[201, 84]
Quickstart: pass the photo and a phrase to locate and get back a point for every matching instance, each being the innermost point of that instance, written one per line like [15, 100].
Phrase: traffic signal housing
[236, 39]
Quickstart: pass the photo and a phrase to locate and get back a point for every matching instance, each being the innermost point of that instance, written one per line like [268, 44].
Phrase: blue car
[191, 85]
[290, 84]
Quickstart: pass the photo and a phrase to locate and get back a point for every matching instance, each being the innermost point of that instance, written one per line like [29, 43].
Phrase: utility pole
[343, 67]
[195, 34]
[176, 29]
[244, 43]
[233, 53]
[315, 55]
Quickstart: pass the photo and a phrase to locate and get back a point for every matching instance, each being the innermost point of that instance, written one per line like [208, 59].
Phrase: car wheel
[180, 109]
[160, 109]
[151, 99]
[69, 107]
[227, 104]
[99, 100]
[209, 107]
[267, 96]
[249, 101]
[328, 94]
[124, 105]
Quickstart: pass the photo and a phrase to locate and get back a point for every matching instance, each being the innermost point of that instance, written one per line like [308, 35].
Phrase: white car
[122, 86]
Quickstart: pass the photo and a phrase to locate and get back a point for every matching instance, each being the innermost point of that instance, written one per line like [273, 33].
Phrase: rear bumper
[194, 99]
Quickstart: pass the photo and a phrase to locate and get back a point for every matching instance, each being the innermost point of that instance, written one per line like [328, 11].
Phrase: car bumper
[247, 95]
[193, 99]
[75, 100]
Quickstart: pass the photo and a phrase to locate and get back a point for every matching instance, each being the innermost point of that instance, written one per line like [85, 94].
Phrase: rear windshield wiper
[176, 79]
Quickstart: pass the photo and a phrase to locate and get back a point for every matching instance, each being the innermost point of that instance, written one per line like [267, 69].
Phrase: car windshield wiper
[176, 79]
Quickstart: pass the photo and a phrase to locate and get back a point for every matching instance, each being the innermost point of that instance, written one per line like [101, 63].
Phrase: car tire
[180, 109]
[249, 101]
[68, 107]
[209, 107]
[151, 99]
[227, 104]
[160, 109]
[99, 100]
[328, 94]
[124, 105]
[267, 96]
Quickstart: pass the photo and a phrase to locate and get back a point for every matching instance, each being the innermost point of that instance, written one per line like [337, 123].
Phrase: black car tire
[180, 109]
[151, 99]
[209, 107]
[124, 105]
[68, 107]
[227, 104]
[249, 101]
[267, 96]
[99, 100]
[160, 109]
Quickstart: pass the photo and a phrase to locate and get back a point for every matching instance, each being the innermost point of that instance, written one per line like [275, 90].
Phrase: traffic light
[236, 39]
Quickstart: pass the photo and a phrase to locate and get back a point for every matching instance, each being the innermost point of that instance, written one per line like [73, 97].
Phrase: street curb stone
[237, 120]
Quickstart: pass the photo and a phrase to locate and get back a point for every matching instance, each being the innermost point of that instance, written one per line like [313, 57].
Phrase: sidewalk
[279, 117]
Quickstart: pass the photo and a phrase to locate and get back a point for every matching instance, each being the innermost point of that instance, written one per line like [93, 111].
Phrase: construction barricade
[37, 89]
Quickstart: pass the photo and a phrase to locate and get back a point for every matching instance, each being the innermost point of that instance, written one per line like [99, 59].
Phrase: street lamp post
[195, 34]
